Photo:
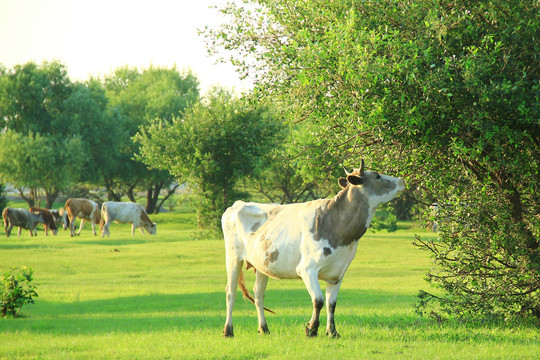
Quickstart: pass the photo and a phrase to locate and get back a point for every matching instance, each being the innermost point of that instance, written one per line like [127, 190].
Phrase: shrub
[16, 291]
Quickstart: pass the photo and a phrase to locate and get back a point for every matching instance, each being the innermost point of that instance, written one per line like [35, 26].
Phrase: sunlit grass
[162, 297]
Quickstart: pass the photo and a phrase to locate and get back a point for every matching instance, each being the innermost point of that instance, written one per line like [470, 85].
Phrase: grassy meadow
[162, 297]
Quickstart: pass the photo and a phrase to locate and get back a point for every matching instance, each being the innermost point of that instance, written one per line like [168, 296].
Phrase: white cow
[314, 241]
[126, 212]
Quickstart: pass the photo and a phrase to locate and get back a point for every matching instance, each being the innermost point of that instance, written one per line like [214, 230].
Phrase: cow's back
[82, 208]
[20, 217]
[122, 212]
[268, 236]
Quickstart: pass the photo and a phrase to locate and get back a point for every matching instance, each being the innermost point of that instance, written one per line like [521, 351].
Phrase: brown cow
[21, 218]
[83, 209]
[47, 219]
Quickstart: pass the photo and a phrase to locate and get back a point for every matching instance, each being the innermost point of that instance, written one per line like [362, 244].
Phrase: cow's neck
[343, 219]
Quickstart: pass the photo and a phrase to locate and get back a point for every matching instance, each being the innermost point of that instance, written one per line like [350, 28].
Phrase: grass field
[162, 297]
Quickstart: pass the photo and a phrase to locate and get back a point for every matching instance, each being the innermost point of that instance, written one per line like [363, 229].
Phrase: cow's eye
[378, 176]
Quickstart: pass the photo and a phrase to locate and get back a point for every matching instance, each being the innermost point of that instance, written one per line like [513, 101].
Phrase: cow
[57, 216]
[126, 212]
[84, 209]
[313, 241]
[22, 218]
[47, 219]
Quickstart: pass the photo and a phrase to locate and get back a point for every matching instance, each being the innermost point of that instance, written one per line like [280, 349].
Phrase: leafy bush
[3, 198]
[16, 291]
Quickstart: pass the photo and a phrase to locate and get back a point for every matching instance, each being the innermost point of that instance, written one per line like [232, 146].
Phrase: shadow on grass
[112, 242]
[206, 312]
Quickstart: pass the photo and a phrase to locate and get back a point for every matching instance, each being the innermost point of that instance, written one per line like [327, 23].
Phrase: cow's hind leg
[258, 292]
[331, 299]
[94, 227]
[312, 284]
[72, 226]
[234, 267]
[106, 229]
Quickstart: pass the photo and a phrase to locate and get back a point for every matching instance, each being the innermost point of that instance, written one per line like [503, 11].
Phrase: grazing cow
[314, 241]
[83, 209]
[126, 212]
[57, 216]
[21, 218]
[47, 219]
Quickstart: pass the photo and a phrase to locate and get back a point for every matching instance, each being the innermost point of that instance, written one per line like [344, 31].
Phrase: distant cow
[126, 212]
[47, 219]
[21, 218]
[84, 209]
[314, 241]
[57, 216]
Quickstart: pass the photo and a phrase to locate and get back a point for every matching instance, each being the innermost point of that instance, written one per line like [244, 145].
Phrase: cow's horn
[345, 169]
[362, 168]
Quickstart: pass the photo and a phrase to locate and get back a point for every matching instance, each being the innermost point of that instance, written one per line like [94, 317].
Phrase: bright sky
[93, 37]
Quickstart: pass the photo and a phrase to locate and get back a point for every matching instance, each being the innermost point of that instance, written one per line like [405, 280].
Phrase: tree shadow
[206, 312]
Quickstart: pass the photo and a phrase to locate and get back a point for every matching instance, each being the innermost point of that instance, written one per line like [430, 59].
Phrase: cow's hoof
[333, 335]
[264, 330]
[228, 332]
[311, 332]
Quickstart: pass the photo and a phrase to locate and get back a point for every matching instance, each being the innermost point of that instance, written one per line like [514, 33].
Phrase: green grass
[162, 297]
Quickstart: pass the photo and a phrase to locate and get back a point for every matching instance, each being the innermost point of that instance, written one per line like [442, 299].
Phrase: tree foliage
[217, 142]
[140, 96]
[445, 93]
[38, 148]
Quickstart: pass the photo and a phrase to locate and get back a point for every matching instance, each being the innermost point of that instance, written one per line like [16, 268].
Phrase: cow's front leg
[81, 227]
[312, 284]
[331, 299]
[258, 291]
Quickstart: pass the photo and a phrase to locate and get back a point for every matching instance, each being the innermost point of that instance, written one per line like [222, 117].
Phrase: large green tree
[39, 148]
[217, 142]
[140, 96]
[443, 92]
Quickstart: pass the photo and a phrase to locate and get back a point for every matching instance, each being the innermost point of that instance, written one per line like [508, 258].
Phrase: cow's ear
[343, 182]
[355, 180]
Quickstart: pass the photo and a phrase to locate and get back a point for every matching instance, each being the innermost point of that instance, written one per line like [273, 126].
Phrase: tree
[140, 96]
[443, 92]
[217, 142]
[36, 161]
[35, 152]
[31, 96]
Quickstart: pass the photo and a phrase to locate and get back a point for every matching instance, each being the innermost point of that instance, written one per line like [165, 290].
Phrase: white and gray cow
[22, 218]
[314, 241]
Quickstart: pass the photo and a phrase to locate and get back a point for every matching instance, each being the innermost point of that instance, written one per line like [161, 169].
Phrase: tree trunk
[50, 197]
[111, 195]
[31, 199]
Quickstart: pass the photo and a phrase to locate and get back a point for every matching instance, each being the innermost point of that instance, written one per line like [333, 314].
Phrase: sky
[93, 37]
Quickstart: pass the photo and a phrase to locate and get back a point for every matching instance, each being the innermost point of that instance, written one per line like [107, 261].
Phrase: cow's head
[378, 188]
[151, 228]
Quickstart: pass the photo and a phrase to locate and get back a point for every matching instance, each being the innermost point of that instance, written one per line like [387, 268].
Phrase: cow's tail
[5, 216]
[245, 291]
